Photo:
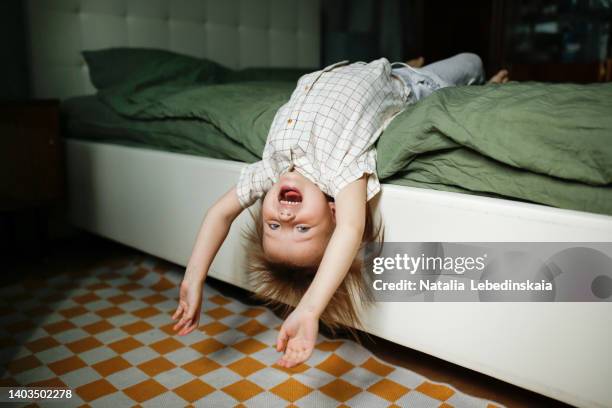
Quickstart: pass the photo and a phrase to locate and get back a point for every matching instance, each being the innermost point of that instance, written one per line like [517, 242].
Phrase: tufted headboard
[236, 33]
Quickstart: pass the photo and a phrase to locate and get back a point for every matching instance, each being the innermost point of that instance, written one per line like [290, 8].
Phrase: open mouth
[290, 196]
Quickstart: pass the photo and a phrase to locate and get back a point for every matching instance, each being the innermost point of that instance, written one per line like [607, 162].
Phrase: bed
[154, 200]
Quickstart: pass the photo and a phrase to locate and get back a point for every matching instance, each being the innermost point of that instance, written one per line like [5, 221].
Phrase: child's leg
[462, 69]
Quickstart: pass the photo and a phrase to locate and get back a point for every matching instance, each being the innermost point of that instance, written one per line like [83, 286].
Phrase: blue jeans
[461, 69]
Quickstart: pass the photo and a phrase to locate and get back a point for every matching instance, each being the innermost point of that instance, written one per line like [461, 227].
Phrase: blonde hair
[282, 285]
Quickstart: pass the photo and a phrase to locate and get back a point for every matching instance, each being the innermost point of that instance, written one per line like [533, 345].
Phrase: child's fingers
[178, 312]
[281, 340]
[188, 314]
[294, 356]
[187, 329]
[182, 329]
[181, 323]
[191, 314]
[193, 318]
[284, 359]
[191, 326]
[290, 357]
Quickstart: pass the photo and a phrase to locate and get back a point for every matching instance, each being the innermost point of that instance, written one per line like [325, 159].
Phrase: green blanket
[543, 143]
[87, 118]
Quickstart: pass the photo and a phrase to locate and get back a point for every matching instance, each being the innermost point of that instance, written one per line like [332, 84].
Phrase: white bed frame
[154, 201]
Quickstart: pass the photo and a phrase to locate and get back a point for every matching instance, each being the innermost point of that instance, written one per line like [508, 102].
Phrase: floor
[84, 250]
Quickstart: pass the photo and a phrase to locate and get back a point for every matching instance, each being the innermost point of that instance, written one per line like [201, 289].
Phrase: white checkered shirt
[327, 129]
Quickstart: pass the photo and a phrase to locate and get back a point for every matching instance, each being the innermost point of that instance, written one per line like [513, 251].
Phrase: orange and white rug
[106, 333]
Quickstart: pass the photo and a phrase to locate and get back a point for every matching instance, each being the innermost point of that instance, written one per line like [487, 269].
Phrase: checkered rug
[106, 333]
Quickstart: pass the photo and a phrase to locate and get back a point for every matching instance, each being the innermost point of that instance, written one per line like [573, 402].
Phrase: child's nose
[286, 214]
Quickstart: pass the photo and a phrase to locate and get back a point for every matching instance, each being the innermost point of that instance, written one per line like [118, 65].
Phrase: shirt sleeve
[252, 183]
[364, 164]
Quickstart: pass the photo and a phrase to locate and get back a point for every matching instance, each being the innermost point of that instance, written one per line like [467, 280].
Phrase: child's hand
[297, 338]
[190, 304]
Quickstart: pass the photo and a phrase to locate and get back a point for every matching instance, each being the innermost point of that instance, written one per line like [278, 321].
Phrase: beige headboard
[236, 33]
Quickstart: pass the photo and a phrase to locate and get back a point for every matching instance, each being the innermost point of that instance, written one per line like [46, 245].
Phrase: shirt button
[290, 121]
[306, 87]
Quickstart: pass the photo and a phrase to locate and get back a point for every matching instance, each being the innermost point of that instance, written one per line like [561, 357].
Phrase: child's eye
[302, 228]
[273, 226]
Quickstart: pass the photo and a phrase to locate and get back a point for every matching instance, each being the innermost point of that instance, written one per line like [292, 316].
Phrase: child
[315, 180]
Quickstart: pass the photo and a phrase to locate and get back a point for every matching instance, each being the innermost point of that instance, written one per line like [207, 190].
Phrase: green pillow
[114, 66]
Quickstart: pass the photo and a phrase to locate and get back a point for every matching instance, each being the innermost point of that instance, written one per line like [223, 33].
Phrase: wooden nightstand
[31, 173]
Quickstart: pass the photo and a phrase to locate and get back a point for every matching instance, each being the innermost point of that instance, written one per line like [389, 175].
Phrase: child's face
[298, 221]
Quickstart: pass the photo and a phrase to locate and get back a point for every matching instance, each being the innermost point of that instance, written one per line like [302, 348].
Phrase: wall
[14, 68]
[363, 30]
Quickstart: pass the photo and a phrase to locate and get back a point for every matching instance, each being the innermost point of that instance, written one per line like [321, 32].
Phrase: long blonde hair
[282, 285]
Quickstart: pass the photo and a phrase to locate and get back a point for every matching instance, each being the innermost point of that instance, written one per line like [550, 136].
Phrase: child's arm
[213, 232]
[298, 334]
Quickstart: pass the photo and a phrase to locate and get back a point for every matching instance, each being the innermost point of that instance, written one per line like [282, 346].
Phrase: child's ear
[332, 207]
